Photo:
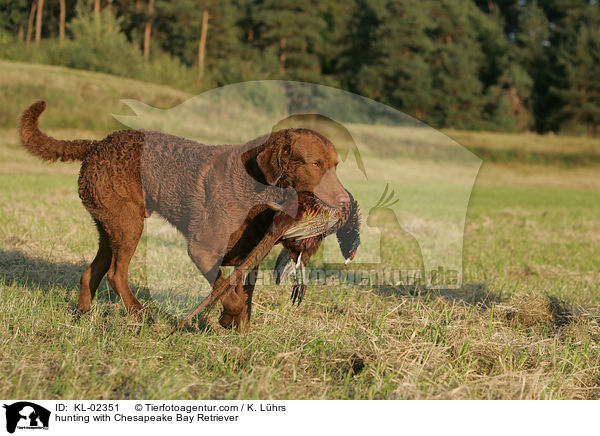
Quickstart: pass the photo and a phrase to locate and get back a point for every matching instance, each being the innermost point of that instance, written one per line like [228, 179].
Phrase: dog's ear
[274, 156]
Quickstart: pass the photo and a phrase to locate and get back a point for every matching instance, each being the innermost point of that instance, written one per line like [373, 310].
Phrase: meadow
[523, 325]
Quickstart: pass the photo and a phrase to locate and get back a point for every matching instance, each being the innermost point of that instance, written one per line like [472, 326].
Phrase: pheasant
[303, 239]
[301, 233]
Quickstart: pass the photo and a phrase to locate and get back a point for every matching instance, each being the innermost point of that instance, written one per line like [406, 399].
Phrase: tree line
[509, 65]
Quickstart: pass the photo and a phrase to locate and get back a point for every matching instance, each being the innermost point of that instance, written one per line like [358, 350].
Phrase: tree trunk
[20, 32]
[97, 17]
[282, 55]
[109, 7]
[148, 30]
[38, 21]
[202, 45]
[30, 23]
[61, 22]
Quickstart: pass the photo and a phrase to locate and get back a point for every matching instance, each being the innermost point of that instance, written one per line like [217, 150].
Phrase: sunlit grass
[525, 325]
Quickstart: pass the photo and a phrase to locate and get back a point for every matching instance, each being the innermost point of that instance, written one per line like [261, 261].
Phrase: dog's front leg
[280, 224]
[237, 305]
[237, 300]
[208, 261]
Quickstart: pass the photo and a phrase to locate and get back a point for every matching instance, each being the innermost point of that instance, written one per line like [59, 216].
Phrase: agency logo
[411, 182]
[26, 415]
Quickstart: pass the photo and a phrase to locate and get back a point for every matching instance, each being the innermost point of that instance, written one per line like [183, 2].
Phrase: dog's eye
[316, 164]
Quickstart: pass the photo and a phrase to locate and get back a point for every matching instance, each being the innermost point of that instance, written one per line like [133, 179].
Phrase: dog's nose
[343, 198]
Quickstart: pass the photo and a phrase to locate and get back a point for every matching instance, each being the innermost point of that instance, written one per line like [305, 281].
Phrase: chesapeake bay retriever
[223, 199]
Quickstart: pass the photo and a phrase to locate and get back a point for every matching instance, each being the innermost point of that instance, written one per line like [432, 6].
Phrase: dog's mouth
[312, 198]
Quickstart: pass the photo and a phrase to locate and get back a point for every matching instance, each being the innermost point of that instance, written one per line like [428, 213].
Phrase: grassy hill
[85, 100]
[79, 99]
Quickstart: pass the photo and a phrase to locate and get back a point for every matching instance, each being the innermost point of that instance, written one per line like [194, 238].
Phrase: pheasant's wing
[312, 225]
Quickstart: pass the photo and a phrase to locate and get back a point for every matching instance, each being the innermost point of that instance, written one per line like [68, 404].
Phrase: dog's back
[164, 167]
[222, 198]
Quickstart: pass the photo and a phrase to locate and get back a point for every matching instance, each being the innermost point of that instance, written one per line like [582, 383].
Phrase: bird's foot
[298, 291]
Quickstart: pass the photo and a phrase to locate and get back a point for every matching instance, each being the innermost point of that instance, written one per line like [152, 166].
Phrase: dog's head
[305, 161]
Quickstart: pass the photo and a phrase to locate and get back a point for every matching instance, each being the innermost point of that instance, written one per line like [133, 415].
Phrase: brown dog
[221, 198]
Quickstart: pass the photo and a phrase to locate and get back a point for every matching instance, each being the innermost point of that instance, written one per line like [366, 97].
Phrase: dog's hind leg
[124, 234]
[90, 280]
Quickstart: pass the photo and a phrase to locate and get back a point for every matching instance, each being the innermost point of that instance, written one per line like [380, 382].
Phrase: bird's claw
[298, 292]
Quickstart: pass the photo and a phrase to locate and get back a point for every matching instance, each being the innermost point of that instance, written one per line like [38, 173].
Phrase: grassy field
[525, 325]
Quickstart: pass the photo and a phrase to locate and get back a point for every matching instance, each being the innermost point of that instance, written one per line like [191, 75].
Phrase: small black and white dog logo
[26, 415]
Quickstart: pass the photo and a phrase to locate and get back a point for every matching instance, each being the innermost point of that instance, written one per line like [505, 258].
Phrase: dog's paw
[142, 316]
[226, 320]
[239, 321]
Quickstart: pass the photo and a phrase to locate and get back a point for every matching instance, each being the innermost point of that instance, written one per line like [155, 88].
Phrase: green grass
[500, 338]
[524, 325]
[565, 151]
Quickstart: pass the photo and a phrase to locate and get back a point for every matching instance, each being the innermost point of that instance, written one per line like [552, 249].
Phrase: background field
[525, 325]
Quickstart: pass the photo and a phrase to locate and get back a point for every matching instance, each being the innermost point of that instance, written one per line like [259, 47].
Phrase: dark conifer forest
[500, 65]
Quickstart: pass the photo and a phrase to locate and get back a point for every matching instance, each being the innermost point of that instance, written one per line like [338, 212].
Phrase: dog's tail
[44, 146]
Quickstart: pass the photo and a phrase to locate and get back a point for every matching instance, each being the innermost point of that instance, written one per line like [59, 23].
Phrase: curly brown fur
[219, 197]
[45, 146]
